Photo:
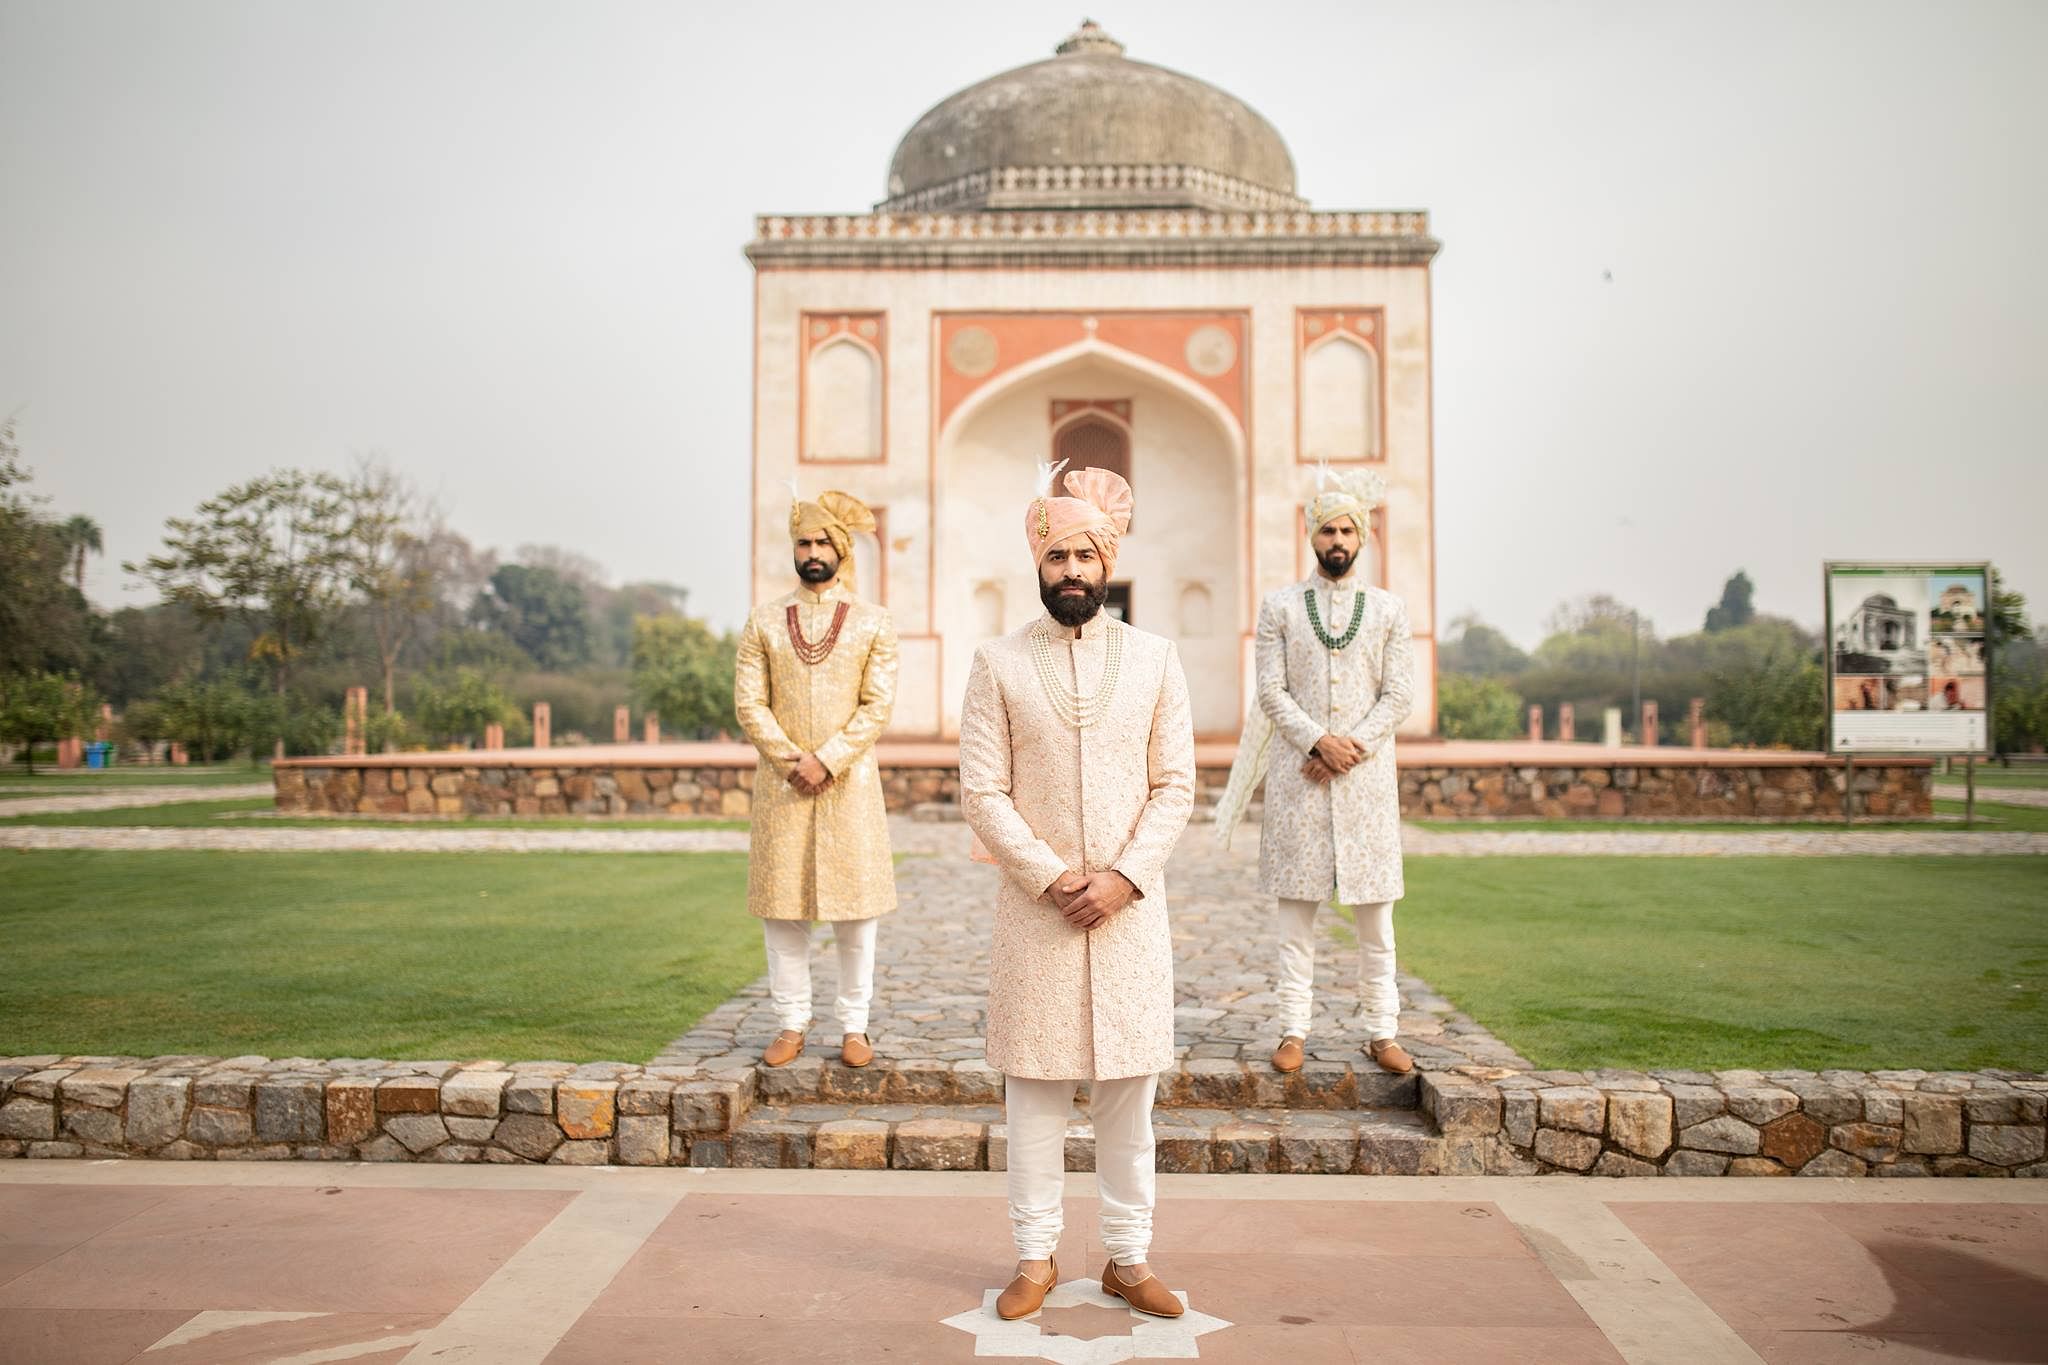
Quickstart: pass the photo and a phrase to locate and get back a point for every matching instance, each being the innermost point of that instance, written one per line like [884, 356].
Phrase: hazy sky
[499, 243]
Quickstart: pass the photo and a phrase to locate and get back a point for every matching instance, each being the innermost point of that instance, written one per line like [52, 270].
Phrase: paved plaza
[244, 1262]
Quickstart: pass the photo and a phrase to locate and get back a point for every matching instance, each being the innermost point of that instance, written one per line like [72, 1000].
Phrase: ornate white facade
[1095, 257]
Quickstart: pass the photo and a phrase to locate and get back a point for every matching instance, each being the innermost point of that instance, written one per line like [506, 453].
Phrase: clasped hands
[1331, 757]
[1086, 899]
[809, 776]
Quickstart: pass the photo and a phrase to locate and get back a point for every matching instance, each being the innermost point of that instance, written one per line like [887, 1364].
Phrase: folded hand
[810, 776]
[1086, 899]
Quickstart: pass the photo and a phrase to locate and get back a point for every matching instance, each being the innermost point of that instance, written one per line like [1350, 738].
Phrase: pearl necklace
[1072, 708]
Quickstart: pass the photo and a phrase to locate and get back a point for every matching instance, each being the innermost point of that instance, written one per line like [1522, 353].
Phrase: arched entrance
[1180, 570]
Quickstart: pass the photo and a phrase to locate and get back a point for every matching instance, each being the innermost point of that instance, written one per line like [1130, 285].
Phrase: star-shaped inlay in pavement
[1116, 1332]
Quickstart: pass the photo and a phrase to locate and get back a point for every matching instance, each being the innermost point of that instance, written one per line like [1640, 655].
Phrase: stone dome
[1091, 128]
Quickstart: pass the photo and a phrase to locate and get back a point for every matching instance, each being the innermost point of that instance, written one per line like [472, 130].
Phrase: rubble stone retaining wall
[933, 1115]
[1633, 790]
[722, 790]
[1605, 790]
[1839, 1123]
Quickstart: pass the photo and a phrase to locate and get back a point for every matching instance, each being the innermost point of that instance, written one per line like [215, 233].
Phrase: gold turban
[1352, 495]
[840, 516]
[1099, 508]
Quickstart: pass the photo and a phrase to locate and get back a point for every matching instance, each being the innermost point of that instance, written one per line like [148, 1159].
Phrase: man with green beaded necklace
[1335, 678]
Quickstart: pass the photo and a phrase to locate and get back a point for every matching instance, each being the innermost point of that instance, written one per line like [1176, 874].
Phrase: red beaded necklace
[810, 653]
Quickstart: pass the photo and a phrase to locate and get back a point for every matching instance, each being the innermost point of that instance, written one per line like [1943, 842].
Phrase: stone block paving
[2034, 797]
[126, 798]
[128, 1261]
[949, 836]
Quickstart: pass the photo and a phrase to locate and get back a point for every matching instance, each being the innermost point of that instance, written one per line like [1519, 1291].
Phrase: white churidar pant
[789, 970]
[1379, 997]
[1121, 1112]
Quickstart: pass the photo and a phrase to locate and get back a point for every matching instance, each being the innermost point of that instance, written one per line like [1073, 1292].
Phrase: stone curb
[1214, 1116]
[1828, 1123]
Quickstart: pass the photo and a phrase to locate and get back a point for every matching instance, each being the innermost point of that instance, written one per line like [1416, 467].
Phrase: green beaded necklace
[1315, 620]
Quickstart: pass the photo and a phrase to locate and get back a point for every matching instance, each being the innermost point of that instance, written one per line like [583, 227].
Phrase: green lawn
[249, 814]
[1740, 962]
[1990, 775]
[85, 782]
[1989, 816]
[577, 957]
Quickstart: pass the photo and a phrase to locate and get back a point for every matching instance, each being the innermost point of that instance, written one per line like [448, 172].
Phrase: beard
[816, 571]
[1336, 562]
[1073, 609]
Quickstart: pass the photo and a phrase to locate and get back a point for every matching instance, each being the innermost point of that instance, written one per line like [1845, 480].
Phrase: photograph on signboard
[1881, 624]
[1956, 655]
[1955, 694]
[1908, 658]
[1957, 603]
[1864, 694]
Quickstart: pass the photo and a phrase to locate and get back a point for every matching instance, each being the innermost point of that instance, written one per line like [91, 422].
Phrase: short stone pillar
[1648, 724]
[1696, 717]
[543, 725]
[622, 725]
[355, 721]
[71, 752]
[1535, 725]
[104, 731]
[650, 729]
[1567, 722]
[1610, 726]
[179, 758]
[494, 736]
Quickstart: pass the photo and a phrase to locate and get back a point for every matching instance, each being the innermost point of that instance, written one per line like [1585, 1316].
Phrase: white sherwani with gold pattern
[823, 857]
[1343, 839]
[1046, 798]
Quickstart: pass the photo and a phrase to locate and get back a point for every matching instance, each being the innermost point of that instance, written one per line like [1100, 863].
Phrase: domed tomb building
[1094, 259]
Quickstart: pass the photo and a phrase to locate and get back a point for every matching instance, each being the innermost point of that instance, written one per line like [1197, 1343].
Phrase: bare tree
[397, 545]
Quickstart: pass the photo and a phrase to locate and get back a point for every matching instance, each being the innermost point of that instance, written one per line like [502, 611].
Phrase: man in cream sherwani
[1077, 770]
[1335, 677]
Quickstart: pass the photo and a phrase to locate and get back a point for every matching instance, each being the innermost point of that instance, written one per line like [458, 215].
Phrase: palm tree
[81, 533]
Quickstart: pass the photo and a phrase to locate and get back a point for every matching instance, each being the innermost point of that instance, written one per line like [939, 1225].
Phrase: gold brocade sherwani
[1046, 798]
[1343, 838]
[822, 857]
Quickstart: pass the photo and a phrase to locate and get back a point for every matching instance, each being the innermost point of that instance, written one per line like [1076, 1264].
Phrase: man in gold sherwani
[1077, 767]
[816, 680]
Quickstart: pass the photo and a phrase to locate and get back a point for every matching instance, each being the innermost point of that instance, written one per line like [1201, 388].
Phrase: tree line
[280, 592]
[1763, 677]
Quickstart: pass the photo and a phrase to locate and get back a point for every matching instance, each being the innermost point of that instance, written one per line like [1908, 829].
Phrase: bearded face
[816, 561]
[1336, 546]
[1073, 582]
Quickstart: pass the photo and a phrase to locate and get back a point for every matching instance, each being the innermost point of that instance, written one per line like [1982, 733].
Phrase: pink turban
[1100, 509]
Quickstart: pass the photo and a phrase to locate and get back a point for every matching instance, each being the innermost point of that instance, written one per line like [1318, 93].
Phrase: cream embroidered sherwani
[1046, 798]
[1342, 839]
[822, 857]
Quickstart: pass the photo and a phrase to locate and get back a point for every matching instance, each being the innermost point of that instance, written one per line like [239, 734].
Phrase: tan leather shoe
[1025, 1295]
[856, 1050]
[787, 1047]
[1391, 1056]
[1287, 1056]
[1147, 1295]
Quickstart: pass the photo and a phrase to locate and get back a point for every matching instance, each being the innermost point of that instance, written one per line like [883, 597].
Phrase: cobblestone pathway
[931, 971]
[2036, 797]
[126, 798]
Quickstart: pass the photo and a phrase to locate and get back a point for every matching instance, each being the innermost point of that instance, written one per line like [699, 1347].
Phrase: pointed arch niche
[1187, 455]
[1340, 387]
[843, 388]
